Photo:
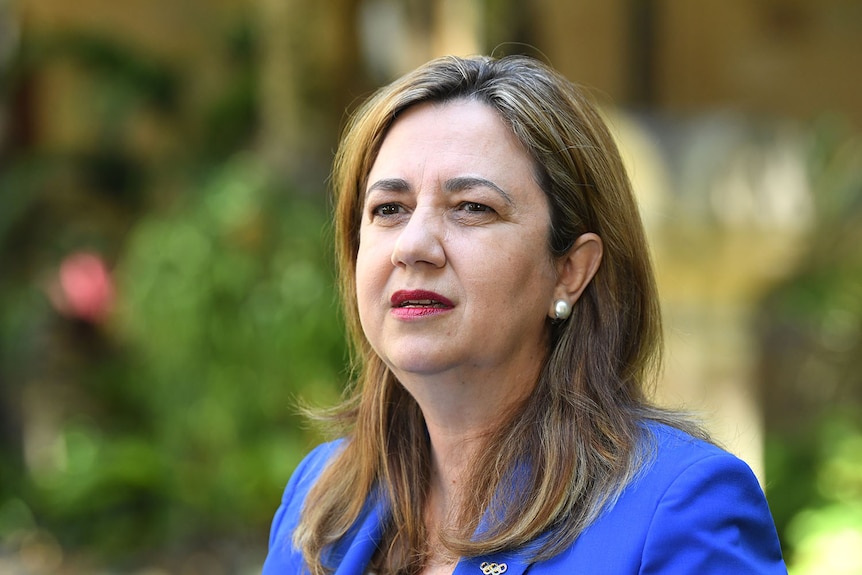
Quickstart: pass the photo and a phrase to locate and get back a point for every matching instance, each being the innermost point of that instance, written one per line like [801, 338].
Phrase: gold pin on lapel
[493, 568]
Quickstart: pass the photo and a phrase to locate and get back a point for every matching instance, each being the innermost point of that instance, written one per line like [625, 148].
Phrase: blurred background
[166, 282]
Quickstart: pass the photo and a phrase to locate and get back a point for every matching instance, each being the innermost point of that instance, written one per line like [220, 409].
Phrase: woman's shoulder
[692, 508]
[310, 468]
[283, 556]
[300, 483]
[669, 451]
[662, 439]
[671, 455]
[320, 456]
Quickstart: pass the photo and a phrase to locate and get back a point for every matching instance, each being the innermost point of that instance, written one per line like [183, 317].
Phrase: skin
[452, 208]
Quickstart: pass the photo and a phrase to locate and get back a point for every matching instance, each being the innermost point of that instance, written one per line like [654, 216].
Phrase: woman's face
[453, 274]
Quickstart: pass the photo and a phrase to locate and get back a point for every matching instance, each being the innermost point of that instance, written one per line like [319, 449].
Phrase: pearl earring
[562, 310]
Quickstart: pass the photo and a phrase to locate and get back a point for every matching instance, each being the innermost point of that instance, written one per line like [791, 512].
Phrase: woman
[499, 296]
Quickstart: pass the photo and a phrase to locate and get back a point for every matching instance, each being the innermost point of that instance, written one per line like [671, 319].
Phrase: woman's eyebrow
[467, 182]
[389, 185]
[452, 185]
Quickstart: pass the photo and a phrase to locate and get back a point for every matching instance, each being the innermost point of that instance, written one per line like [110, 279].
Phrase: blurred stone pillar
[398, 36]
[457, 28]
[280, 24]
[310, 70]
[726, 224]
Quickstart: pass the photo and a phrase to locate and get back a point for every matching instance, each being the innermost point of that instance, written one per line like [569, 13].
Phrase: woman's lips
[408, 304]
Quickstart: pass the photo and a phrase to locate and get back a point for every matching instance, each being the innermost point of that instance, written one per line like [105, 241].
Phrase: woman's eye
[475, 207]
[386, 210]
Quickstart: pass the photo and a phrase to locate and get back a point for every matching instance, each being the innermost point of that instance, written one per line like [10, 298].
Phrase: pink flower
[86, 289]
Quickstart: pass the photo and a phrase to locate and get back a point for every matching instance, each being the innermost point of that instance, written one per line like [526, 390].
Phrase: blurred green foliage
[230, 310]
[823, 531]
[171, 426]
[188, 427]
[811, 331]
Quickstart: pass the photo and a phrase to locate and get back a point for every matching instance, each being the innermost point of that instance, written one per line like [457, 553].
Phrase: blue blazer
[694, 510]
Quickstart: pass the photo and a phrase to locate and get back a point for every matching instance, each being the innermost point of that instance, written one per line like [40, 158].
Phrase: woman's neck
[461, 413]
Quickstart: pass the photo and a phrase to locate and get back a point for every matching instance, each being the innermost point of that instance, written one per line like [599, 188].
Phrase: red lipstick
[408, 304]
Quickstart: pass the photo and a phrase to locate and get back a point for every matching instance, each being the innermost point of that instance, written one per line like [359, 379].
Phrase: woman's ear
[576, 269]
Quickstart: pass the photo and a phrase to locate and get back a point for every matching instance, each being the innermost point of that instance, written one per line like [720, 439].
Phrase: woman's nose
[420, 240]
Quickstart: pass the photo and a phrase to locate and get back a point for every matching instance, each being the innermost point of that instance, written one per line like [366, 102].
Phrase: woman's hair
[566, 452]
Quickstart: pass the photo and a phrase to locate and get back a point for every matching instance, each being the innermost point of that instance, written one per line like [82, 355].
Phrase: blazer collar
[354, 555]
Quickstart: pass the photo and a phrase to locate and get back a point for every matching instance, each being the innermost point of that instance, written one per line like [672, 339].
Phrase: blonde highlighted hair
[570, 448]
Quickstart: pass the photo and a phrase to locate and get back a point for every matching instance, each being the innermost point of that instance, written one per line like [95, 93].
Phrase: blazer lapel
[357, 549]
[361, 547]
